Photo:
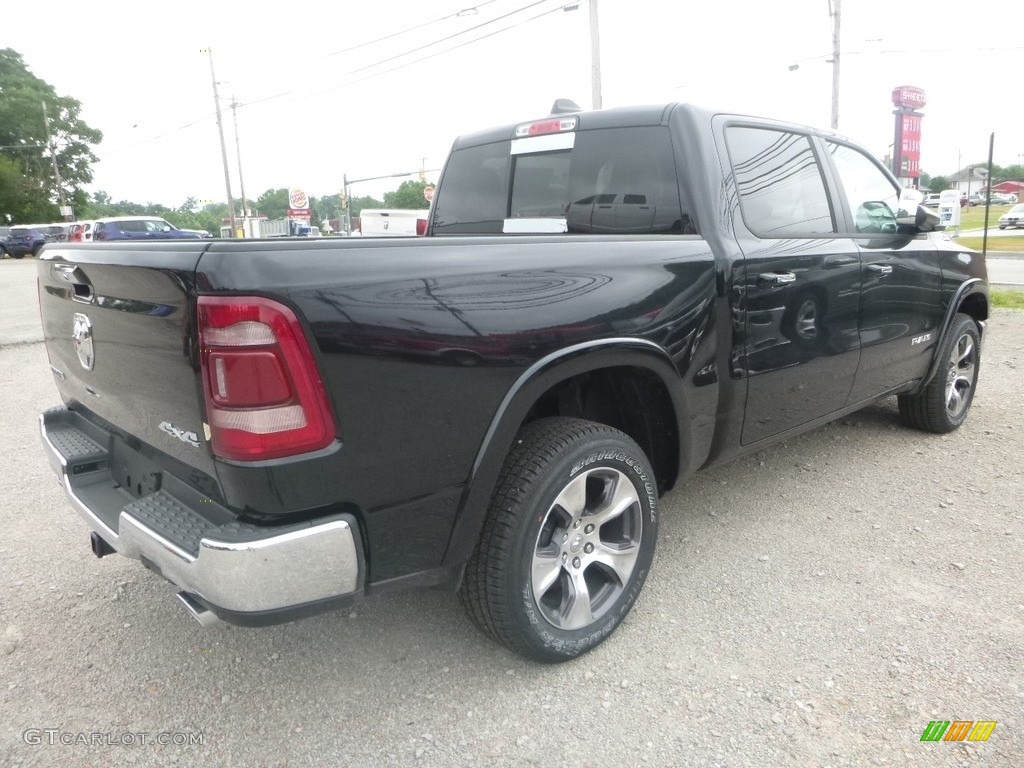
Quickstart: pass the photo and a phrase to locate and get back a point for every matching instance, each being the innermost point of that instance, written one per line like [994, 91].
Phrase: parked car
[25, 240]
[138, 228]
[932, 200]
[1013, 217]
[4, 232]
[81, 232]
[1002, 198]
[54, 233]
[200, 233]
[974, 199]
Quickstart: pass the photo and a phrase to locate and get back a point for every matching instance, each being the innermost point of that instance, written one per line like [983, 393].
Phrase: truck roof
[621, 117]
[618, 117]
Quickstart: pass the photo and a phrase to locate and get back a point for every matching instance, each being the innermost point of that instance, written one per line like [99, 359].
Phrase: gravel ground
[815, 604]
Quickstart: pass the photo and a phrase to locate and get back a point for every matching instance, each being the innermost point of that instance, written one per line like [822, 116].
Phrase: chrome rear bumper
[235, 569]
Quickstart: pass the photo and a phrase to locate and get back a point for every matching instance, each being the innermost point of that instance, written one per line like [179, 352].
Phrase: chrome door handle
[777, 278]
[880, 269]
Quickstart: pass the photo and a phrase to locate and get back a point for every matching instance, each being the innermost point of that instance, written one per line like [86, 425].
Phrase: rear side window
[610, 181]
[780, 183]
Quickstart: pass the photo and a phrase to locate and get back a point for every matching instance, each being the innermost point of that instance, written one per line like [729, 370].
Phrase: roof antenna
[564, 107]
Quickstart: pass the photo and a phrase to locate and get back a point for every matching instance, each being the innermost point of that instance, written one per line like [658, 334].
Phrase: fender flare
[966, 289]
[521, 397]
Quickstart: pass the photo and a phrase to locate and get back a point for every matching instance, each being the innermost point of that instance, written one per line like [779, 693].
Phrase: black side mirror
[912, 216]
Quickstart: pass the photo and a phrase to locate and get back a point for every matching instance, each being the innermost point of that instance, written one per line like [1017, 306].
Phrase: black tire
[943, 405]
[559, 473]
[17, 255]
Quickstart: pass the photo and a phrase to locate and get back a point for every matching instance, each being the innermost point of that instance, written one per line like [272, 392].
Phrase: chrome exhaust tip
[198, 611]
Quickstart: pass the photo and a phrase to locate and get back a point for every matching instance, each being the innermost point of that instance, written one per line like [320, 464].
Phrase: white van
[392, 222]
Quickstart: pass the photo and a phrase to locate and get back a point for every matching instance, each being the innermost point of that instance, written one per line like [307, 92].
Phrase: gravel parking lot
[815, 604]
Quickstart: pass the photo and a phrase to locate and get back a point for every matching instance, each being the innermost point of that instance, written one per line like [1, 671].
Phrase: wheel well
[976, 306]
[631, 399]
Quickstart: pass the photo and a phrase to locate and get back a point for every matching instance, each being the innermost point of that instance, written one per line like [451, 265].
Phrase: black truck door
[800, 291]
[900, 302]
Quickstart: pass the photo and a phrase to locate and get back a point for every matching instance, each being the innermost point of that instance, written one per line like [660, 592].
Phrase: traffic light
[343, 199]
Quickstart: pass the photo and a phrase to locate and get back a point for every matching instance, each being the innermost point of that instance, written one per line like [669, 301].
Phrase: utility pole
[595, 51]
[348, 206]
[595, 57]
[238, 151]
[836, 13]
[223, 146]
[53, 158]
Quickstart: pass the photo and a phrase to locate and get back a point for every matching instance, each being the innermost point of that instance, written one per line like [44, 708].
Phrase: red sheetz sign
[907, 141]
[908, 96]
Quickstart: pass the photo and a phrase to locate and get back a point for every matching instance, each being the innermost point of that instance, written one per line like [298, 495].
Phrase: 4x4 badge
[189, 438]
[82, 335]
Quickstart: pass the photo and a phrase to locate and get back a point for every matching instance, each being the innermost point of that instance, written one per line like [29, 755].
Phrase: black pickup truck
[605, 303]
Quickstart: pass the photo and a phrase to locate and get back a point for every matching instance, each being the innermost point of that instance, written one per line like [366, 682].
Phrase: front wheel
[943, 405]
[567, 542]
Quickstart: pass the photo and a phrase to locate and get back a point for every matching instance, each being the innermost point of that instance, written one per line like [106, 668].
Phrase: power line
[389, 36]
[159, 136]
[283, 94]
[404, 31]
[422, 58]
[408, 53]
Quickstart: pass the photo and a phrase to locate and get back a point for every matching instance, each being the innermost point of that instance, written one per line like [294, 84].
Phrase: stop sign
[428, 192]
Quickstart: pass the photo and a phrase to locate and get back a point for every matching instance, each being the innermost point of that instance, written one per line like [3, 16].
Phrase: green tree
[366, 201]
[23, 131]
[326, 207]
[938, 183]
[21, 200]
[273, 203]
[408, 195]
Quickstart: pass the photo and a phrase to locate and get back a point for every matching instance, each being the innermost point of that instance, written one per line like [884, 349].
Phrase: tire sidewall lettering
[562, 641]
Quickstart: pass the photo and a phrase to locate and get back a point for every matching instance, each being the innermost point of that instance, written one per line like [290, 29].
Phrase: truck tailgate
[119, 330]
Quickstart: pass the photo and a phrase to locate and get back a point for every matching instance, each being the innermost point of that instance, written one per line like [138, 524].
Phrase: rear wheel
[943, 405]
[567, 542]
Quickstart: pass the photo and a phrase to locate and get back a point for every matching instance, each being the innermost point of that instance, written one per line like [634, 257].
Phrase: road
[815, 604]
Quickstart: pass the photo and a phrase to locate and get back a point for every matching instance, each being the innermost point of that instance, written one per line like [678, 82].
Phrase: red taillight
[264, 395]
[421, 226]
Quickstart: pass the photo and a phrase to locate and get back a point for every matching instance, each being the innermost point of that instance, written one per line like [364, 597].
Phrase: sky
[327, 89]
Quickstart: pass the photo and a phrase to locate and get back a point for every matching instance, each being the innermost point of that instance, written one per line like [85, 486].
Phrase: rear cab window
[599, 181]
[780, 182]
